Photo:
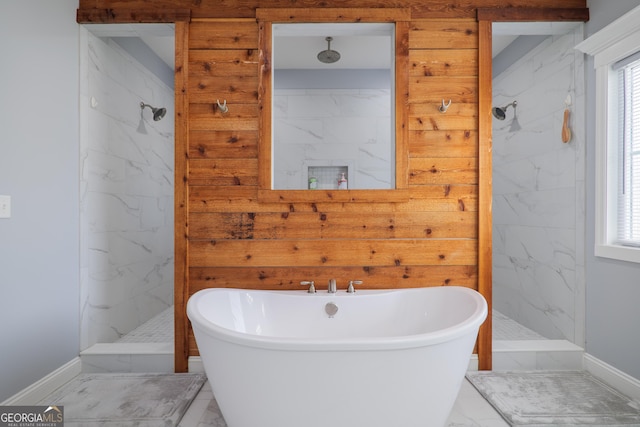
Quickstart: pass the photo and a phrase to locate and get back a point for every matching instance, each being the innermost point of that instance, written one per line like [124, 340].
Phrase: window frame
[616, 41]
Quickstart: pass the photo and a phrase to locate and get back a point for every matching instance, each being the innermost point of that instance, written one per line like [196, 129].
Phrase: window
[616, 53]
[628, 111]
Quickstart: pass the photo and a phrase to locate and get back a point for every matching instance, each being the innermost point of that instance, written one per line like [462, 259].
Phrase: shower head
[158, 113]
[500, 113]
[328, 56]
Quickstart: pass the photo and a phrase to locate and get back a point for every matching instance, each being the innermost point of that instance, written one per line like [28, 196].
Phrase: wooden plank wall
[236, 241]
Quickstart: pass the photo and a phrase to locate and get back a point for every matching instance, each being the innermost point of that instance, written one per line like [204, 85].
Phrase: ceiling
[303, 44]
[159, 37]
[505, 33]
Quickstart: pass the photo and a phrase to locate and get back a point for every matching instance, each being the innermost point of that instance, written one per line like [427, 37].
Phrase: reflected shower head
[500, 113]
[158, 113]
[328, 56]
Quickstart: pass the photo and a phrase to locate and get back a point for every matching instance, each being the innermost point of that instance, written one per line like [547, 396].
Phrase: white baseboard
[46, 385]
[473, 363]
[194, 364]
[617, 379]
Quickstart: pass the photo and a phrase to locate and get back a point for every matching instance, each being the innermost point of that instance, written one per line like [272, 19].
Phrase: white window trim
[616, 41]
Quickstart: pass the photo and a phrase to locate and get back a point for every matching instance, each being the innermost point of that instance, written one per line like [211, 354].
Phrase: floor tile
[470, 410]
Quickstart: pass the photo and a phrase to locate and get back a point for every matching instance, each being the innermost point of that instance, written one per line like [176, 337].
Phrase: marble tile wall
[333, 127]
[539, 191]
[126, 193]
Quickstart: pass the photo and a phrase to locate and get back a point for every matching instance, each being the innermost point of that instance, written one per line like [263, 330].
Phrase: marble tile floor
[470, 410]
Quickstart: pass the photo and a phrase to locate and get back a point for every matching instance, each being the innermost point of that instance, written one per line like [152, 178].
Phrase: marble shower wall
[126, 193]
[539, 192]
[330, 127]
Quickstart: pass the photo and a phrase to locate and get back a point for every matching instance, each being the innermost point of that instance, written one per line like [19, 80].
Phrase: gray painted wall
[39, 148]
[613, 287]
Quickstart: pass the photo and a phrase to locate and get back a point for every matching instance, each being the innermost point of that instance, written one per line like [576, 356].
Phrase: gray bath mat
[123, 400]
[212, 416]
[565, 398]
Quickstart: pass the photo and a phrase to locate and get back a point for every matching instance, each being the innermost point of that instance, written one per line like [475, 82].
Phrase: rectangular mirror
[333, 129]
[333, 106]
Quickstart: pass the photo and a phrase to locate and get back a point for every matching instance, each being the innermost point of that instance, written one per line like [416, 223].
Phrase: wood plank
[485, 262]
[462, 143]
[223, 144]
[234, 89]
[443, 62]
[422, 198]
[329, 14]
[223, 63]
[181, 198]
[444, 34]
[227, 34]
[247, 8]
[427, 116]
[289, 278]
[533, 14]
[374, 252]
[240, 117]
[265, 99]
[398, 195]
[223, 172]
[331, 225]
[460, 90]
[132, 15]
[442, 170]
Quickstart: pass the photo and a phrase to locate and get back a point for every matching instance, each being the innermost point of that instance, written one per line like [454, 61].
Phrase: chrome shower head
[500, 113]
[158, 113]
[328, 56]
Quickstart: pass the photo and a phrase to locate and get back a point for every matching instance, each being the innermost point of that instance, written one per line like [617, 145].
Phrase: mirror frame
[266, 18]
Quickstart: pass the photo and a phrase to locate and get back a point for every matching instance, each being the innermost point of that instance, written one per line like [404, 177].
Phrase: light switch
[5, 206]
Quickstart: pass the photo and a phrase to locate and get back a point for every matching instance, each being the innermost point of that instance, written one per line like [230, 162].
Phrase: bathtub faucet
[311, 284]
[332, 286]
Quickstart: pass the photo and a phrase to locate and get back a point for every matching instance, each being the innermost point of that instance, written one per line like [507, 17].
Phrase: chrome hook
[223, 107]
[444, 107]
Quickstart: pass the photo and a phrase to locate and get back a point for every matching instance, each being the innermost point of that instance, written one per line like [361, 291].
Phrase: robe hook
[223, 107]
[444, 107]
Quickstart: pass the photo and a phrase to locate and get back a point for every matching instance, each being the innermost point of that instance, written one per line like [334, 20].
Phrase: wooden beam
[485, 278]
[420, 9]
[111, 16]
[181, 277]
[532, 14]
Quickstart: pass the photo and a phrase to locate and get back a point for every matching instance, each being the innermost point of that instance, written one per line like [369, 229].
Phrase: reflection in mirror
[333, 118]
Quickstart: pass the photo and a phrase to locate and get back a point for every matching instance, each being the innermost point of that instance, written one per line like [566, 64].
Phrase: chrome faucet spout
[332, 286]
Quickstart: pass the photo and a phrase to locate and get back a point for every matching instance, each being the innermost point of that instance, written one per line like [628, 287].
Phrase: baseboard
[46, 385]
[617, 379]
[473, 363]
[194, 364]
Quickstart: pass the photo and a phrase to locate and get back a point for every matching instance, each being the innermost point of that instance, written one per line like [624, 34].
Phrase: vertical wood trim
[181, 196]
[402, 104]
[264, 101]
[485, 189]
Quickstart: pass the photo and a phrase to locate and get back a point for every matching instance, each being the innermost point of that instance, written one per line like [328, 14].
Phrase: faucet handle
[350, 288]
[311, 284]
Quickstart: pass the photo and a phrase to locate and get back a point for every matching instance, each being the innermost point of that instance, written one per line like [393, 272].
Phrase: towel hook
[223, 107]
[444, 107]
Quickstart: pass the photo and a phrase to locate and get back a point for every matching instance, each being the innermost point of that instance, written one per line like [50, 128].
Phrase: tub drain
[331, 309]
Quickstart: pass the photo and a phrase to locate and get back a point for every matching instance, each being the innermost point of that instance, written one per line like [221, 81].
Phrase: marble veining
[332, 125]
[538, 191]
[126, 193]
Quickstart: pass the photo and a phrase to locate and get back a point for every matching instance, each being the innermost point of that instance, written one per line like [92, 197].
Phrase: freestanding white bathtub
[385, 358]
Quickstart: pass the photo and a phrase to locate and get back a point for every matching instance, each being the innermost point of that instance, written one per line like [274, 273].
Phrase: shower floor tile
[159, 329]
[507, 329]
